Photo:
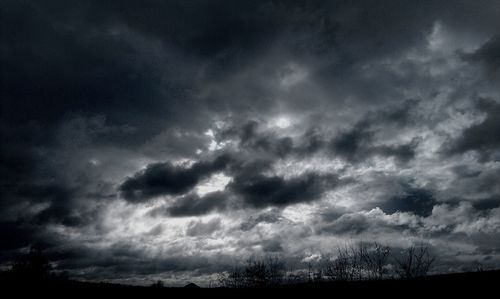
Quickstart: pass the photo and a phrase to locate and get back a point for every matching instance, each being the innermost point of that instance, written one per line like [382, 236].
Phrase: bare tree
[275, 271]
[363, 261]
[255, 274]
[33, 266]
[157, 284]
[357, 262]
[232, 279]
[293, 275]
[373, 257]
[415, 261]
[344, 267]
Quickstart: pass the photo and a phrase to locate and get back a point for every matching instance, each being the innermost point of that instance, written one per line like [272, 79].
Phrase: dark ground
[477, 284]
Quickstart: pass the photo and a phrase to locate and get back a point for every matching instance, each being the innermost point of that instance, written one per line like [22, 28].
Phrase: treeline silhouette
[360, 267]
[32, 268]
[360, 262]
[363, 261]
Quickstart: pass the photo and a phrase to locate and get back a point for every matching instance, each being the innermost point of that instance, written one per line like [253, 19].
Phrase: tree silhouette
[373, 258]
[31, 267]
[255, 274]
[158, 284]
[414, 262]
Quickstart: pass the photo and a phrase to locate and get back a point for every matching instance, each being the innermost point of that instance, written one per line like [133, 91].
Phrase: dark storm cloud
[414, 200]
[92, 90]
[486, 203]
[59, 198]
[123, 259]
[312, 142]
[18, 163]
[194, 205]
[262, 191]
[373, 222]
[332, 214]
[248, 187]
[51, 60]
[352, 144]
[255, 137]
[58, 67]
[464, 171]
[348, 224]
[488, 54]
[482, 137]
[60, 207]
[68, 213]
[402, 153]
[400, 114]
[272, 246]
[248, 184]
[476, 185]
[266, 217]
[15, 235]
[251, 136]
[356, 145]
[160, 179]
[166, 179]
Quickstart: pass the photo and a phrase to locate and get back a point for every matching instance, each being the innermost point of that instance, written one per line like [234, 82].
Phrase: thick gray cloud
[356, 145]
[418, 201]
[488, 54]
[262, 191]
[194, 205]
[201, 228]
[174, 139]
[167, 179]
[266, 217]
[481, 137]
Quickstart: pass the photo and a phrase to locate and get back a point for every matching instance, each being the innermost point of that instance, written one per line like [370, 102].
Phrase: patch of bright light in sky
[213, 146]
[282, 122]
[345, 197]
[94, 162]
[216, 182]
[295, 167]
[299, 213]
[209, 133]
[125, 221]
[443, 39]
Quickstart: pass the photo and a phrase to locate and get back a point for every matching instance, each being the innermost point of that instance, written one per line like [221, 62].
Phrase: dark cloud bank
[145, 140]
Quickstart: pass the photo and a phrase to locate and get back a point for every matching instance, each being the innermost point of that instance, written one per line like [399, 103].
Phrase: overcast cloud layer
[145, 140]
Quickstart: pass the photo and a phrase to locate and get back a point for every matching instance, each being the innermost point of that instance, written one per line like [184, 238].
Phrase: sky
[173, 140]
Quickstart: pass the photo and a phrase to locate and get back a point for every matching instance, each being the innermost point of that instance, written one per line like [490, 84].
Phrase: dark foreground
[477, 283]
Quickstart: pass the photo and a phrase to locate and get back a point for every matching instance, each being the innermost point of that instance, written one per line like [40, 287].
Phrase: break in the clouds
[145, 140]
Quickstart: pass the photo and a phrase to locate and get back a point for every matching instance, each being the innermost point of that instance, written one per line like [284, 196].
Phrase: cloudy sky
[172, 140]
